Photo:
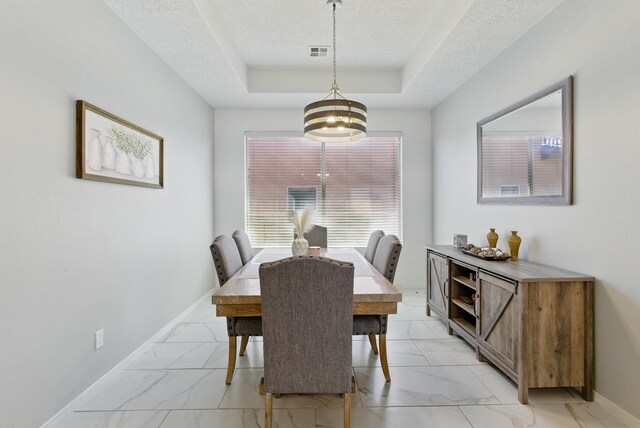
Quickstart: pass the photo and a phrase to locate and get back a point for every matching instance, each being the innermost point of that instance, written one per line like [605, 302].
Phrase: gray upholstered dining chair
[244, 245]
[374, 238]
[385, 261]
[298, 295]
[317, 236]
[226, 258]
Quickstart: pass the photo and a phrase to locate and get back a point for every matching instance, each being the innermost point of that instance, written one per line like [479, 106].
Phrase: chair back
[317, 236]
[226, 257]
[387, 256]
[370, 252]
[307, 321]
[244, 245]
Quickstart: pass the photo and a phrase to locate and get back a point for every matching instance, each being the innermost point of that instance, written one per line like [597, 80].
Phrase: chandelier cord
[335, 82]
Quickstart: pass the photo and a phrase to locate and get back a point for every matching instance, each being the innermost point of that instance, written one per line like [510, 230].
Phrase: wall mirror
[525, 150]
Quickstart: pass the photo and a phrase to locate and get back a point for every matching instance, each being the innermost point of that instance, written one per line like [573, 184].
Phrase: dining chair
[317, 236]
[227, 260]
[374, 238]
[300, 294]
[244, 245]
[385, 261]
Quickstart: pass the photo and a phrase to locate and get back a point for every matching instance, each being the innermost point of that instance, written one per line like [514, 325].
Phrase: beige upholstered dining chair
[385, 261]
[244, 245]
[370, 251]
[299, 294]
[317, 236]
[226, 258]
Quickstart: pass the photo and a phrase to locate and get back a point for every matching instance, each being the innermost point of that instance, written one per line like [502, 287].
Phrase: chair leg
[347, 410]
[372, 341]
[383, 357]
[268, 412]
[243, 344]
[231, 365]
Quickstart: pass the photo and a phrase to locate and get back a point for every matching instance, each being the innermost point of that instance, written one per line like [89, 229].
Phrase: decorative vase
[150, 167]
[492, 237]
[95, 151]
[108, 154]
[514, 244]
[123, 163]
[136, 166]
[299, 247]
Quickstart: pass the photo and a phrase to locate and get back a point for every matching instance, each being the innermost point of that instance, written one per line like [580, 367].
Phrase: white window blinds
[353, 188]
[521, 164]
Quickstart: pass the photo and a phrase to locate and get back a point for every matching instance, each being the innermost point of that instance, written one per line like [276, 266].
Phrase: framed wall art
[111, 149]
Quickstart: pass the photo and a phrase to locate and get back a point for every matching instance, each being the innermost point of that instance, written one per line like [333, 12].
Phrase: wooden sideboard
[533, 322]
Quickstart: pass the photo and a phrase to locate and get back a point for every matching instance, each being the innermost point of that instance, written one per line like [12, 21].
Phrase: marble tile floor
[436, 382]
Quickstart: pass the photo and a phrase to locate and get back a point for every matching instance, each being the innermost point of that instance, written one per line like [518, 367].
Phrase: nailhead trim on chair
[222, 278]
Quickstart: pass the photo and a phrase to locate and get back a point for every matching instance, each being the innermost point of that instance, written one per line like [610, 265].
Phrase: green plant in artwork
[129, 142]
[140, 148]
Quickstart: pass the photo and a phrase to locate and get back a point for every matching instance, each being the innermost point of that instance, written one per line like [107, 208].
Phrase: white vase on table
[300, 247]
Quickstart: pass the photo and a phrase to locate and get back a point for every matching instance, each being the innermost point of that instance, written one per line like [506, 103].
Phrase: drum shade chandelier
[335, 119]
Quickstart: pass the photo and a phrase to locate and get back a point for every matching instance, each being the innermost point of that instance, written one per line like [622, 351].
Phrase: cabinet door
[498, 309]
[438, 283]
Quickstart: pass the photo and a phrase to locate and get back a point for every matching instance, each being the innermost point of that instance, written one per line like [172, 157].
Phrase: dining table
[373, 294]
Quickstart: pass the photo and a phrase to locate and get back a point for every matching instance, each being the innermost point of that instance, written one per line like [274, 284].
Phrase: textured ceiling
[370, 33]
[402, 54]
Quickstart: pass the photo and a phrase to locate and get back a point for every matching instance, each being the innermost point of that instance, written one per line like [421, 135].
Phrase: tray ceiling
[401, 54]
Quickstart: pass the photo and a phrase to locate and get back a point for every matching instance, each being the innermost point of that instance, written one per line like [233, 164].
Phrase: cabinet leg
[449, 330]
[523, 393]
[587, 393]
[479, 356]
[428, 311]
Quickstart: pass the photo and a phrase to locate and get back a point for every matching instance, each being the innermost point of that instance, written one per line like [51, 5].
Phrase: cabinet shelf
[465, 281]
[466, 325]
[464, 306]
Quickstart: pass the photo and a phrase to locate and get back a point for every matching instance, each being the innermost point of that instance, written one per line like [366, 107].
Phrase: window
[301, 198]
[353, 188]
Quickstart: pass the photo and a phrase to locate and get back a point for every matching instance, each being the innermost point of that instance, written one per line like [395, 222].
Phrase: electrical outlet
[99, 339]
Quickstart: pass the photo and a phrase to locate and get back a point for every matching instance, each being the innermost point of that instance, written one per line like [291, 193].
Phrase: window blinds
[521, 164]
[353, 188]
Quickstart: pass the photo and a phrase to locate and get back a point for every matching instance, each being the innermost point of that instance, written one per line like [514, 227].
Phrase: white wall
[416, 159]
[597, 42]
[77, 256]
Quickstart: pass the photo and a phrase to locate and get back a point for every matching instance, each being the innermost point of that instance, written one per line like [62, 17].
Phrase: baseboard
[135, 354]
[618, 411]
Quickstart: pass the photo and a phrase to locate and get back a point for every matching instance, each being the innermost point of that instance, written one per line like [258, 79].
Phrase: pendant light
[335, 119]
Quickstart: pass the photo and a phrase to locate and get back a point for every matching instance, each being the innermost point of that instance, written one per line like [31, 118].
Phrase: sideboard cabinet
[533, 322]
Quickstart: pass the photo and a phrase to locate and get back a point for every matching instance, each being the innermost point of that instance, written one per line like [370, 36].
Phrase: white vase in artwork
[136, 166]
[149, 166]
[95, 151]
[123, 163]
[108, 154]
[300, 247]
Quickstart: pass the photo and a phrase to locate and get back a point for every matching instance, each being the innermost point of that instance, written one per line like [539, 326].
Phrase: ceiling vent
[318, 51]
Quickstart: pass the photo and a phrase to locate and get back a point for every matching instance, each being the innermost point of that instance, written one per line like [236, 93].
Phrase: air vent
[318, 51]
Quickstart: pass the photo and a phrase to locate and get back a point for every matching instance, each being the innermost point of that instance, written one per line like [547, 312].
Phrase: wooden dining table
[373, 294]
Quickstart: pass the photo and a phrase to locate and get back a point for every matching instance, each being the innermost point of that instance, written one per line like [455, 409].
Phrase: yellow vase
[514, 244]
[492, 237]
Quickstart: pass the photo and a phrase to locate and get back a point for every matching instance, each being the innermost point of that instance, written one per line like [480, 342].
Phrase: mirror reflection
[522, 153]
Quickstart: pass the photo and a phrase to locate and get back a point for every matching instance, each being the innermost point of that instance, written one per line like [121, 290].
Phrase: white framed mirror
[525, 150]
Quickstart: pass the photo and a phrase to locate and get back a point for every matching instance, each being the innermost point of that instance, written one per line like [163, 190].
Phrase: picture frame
[113, 150]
